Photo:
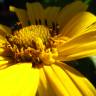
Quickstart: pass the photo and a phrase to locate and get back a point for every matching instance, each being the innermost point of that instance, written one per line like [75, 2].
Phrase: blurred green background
[86, 65]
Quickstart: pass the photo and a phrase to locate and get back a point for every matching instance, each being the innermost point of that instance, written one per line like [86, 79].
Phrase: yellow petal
[78, 24]
[2, 41]
[69, 11]
[51, 14]
[78, 47]
[2, 45]
[19, 80]
[33, 14]
[22, 15]
[4, 30]
[30, 10]
[79, 80]
[91, 28]
[39, 16]
[54, 81]
[2, 58]
[2, 51]
[66, 81]
[80, 55]
[44, 88]
[4, 62]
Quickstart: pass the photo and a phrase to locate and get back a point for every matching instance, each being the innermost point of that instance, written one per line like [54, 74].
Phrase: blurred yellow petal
[4, 30]
[2, 51]
[22, 15]
[30, 10]
[91, 28]
[66, 81]
[54, 81]
[4, 64]
[33, 14]
[69, 11]
[2, 58]
[51, 14]
[19, 80]
[78, 47]
[80, 55]
[44, 88]
[79, 80]
[3, 40]
[39, 16]
[78, 24]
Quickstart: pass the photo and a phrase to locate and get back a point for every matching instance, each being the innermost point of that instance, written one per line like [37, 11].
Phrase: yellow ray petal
[2, 41]
[91, 28]
[19, 80]
[4, 64]
[66, 80]
[22, 15]
[79, 80]
[54, 81]
[78, 47]
[44, 88]
[2, 58]
[38, 15]
[2, 45]
[33, 14]
[4, 30]
[69, 11]
[51, 14]
[80, 55]
[2, 51]
[30, 13]
[78, 24]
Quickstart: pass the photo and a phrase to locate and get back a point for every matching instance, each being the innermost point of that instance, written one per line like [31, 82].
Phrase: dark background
[85, 66]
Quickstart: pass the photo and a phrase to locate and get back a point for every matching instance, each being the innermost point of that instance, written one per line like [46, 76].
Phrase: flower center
[32, 44]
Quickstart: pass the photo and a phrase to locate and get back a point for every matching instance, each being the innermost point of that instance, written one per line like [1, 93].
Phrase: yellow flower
[31, 58]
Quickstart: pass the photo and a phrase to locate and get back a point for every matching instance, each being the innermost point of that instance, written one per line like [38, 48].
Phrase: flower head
[31, 58]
